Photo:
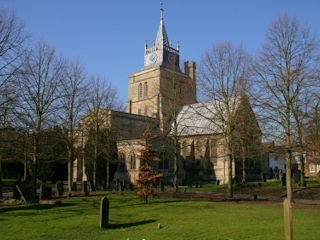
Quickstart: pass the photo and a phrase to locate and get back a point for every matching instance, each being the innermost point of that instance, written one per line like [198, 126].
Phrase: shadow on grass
[127, 225]
[33, 207]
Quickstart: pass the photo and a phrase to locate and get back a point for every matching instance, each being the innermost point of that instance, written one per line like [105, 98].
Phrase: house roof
[203, 118]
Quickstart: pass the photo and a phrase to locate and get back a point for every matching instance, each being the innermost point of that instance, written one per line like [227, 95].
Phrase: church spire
[162, 37]
[161, 53]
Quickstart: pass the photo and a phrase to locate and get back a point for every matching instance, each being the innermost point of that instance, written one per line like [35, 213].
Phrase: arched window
[121, 161]
[140, 91]
[145, 89]
[132, 161]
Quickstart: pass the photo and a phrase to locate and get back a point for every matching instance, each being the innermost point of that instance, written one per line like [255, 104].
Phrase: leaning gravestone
[60, 188]
[24, 192]
[104, 212]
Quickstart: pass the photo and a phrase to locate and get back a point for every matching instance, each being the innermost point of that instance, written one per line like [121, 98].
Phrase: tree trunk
[108, 172]
[69, 175]
[301, 170]
[244, 172]
[230, 190]
[34, 177]
[288, 175]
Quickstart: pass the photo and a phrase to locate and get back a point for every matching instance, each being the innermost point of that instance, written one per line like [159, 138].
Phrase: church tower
[160, 88]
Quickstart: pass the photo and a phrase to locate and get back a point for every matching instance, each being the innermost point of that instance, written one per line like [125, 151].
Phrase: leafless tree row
[282, 82]
[40, 90]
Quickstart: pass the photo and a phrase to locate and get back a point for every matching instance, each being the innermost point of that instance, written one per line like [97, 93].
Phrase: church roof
[203, 118]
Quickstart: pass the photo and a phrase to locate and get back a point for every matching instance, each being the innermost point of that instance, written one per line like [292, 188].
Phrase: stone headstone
[42, 191]
[24, 192]
[60, 188]
[74, 186]
[131, 187]
[45, 192]
[287, 209]
[16, 194]
[104, 212]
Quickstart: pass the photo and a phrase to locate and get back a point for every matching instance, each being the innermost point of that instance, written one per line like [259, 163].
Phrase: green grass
[78, 218]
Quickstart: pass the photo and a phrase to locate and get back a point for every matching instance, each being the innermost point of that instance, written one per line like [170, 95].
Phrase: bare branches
[287, 70]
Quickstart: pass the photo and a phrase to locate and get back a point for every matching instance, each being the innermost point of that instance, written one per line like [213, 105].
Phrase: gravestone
[287, 210]
[131, 187]
[104, 212]
[45, 192]
[23, 192]
[74, 186]
[16, 194]
[60, 189]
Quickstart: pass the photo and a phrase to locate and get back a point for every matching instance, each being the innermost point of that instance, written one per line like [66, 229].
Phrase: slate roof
[202, 118]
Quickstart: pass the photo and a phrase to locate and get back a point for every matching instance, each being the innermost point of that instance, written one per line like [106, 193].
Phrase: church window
[132, 161]
[139, 111]
[145, 89]
[146, 111]
[140, 91]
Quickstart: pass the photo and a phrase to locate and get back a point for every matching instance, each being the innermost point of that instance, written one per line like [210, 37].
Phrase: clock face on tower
[153, 57]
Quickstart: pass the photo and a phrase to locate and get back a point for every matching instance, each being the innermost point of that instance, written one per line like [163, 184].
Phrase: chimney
[190, 69]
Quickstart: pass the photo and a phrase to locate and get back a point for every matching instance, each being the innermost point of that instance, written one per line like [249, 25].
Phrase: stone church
[157, 94]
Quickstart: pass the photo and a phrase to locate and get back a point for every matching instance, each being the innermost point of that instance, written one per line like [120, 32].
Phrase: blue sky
[109, 35]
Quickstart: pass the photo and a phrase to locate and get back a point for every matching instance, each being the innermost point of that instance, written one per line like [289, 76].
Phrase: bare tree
[13, 46]
[39, 84]
[101, 98]
[176, 92]
[223, 76]
[72, 101]
[286, 69]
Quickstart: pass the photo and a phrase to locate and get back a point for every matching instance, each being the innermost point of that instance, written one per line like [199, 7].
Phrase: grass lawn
[129, 218]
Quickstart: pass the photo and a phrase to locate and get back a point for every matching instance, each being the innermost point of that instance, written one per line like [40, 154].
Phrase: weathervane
[161, 9]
